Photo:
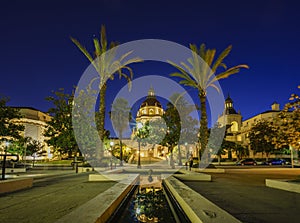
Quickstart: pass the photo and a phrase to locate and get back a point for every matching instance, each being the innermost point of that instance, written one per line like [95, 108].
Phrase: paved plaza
[239, 191]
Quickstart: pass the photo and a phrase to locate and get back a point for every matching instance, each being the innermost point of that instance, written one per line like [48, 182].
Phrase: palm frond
[82, 49]
[231, 71]
[133, 60]
[223, 65]
[188, 83]
[98, 51]
[187, 68]
[103, 38]
[125, 55]
[227, 73]
[202, 50]
[181, 75]
[210, 56]
[221, 57]
[215, 87]
[128, 78]
[177, 67]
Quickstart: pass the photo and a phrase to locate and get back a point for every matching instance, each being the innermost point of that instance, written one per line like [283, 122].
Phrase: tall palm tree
[104, 64]
[203, 77]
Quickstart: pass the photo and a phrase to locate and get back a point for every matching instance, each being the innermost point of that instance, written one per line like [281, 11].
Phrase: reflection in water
[148, 203]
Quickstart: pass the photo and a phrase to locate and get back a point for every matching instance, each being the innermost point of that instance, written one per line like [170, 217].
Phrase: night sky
[37, 56]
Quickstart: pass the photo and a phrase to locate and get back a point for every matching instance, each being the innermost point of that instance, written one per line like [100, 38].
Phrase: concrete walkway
[243, 194]
[240, 192]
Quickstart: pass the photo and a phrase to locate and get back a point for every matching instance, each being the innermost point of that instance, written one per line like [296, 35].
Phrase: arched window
[234, 126]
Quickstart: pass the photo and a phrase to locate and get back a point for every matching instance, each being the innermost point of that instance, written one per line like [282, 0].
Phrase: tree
[141, 133]
[9, 128]
[214, 145]
[116, 152]
[229, 147]
[59, 130]
[120, 116]
[188, 129]
[171, 139]
[241, 151]
[260, 136]
[85, 123]
[157, 130]
[104, 64]
[287, 124]
[18, 146]
[203, 77]
[33, 148]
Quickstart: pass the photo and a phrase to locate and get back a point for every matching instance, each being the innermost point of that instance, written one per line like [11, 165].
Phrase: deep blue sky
[37, 56]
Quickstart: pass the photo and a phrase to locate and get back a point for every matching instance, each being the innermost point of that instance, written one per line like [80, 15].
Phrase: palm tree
[203, 77]
[104, 64]
[120, 116]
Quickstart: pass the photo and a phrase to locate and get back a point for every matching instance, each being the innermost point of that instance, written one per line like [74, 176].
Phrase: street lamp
[186, 155]
[139, 127]
[186, 151]
[4, 160]
[111, 147]
[25, 153]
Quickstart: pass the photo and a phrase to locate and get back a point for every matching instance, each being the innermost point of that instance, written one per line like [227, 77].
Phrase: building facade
[237, 130]
[35, 123]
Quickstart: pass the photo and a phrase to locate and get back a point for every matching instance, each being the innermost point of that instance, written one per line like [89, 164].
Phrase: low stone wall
[85, 169]
[196, 207]
[12, 185]
[192, 176]
[283, 185]
[109, 177]
[208, 170]
[15, 170]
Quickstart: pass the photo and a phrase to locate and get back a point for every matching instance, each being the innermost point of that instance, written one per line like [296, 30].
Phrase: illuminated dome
[151, 100]
[150, 108]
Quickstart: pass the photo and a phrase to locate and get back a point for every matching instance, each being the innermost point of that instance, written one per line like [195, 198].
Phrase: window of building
[234, 126]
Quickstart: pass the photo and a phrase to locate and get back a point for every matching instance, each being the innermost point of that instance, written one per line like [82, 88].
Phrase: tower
[230, 118]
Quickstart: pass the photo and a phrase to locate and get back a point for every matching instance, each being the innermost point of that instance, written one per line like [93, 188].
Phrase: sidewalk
[245, 196]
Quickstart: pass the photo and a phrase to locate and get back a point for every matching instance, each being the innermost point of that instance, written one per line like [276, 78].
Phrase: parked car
[276, 161]
[248, 161]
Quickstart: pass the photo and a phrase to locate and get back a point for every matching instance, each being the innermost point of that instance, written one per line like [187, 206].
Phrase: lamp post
[186, 151]
[25, 148]
[4, 159]
[186, 155]
[139, 154]
[111, 147]
[179, 155]
[139, 128]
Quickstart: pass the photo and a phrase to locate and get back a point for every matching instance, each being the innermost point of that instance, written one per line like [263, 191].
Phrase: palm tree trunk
[100, 153]
[179, 156]
[121, 150]
[203, 122]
